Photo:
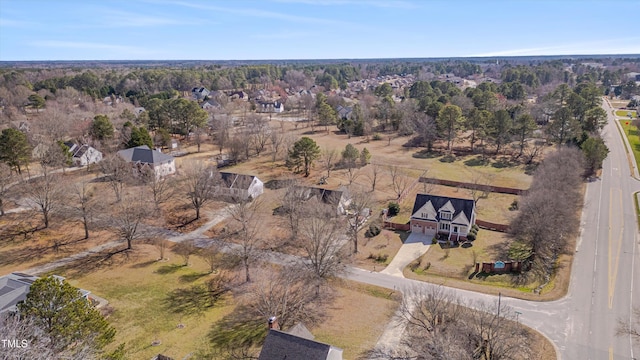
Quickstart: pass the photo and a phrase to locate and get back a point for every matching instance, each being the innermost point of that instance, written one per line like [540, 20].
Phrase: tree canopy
[304, 152]
[14, 149]
[66, 317]
[101, 128]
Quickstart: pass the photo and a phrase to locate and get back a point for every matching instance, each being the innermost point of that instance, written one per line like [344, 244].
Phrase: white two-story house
[434, 214]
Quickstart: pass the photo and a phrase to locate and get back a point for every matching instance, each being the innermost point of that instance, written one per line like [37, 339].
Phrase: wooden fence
[481, 187]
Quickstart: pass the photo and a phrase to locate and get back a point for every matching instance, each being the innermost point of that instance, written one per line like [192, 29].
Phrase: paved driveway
[413, 248]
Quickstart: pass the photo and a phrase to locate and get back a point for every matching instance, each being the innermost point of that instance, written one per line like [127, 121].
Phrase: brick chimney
[273, 323]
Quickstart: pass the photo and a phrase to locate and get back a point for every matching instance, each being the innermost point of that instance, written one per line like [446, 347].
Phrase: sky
[313, 29]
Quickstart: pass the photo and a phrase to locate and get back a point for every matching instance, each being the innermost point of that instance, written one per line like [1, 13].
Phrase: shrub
[475, 227]
[448, 158]
[381, 258]
[471, 236]
[415, 264]
[427, 266]
[377, 136]
[394, 209]
[373, 231]
[434, 241]
[513, 206]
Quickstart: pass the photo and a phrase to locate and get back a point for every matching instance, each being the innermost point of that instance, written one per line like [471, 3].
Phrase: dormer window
[444, 215]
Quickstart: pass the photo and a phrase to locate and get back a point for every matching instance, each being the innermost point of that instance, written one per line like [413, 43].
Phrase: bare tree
[127, 219]
[258, 132]
[201, 183]
[481, 187]
[246, 215]
[329, 157]
[221, 125]
[46, 194]
[162, 188]
[83, 205]
[399, 180]
[277, 142]
[211, 255]
[322, 242]
[374, 175]
[117, 171]
[185, 249]
[198, 135]
[357, 212]
[161, 245]
[6, 180]
[293, 206]
[284, 295]
[31, 340]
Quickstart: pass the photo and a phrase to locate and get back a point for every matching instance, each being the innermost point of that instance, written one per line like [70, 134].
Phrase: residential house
[239, 185]
[238, 95]
[83, 155]
[281, 345]
[199, 93]
[138, 110]
[142, 157]
[15, 287]
[270, 106]
[434, 214]
[344, 112]
[339, 198]
[210, 105]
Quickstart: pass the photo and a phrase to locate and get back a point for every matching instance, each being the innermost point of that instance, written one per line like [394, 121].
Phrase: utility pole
[499, 299]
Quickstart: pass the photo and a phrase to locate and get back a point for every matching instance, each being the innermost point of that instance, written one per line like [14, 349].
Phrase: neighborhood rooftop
[459, 205]
[280, 345]
[144, 155]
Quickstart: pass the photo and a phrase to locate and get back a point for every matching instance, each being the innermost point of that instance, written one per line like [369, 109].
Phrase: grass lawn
[136, 290]
[625, 113]
[633, 134]
[452, 267]
[357, 317]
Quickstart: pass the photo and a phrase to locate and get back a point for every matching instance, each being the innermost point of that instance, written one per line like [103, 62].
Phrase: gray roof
[279, 345]
[144, 155]
[235, 181]
[300, 330]
[460, 205]
[15, 287]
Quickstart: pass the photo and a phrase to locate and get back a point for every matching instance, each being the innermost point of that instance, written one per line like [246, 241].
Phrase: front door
[455, 229]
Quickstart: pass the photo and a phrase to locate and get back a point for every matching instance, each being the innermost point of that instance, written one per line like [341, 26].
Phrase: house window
[423, 215]
[455, 229]
[445, 215]
[445, 226]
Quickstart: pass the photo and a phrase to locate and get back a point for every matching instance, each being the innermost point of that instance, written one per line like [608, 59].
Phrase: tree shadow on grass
[503, 162]
[144, 264]
[188, 278]
[476, 161]
[97, 261]
[169, 269]
[425, 154]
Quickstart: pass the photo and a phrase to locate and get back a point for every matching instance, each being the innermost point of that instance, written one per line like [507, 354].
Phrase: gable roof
[144, 155]
[466, 207]
[15, 287]
[236, 181]
[280, 345]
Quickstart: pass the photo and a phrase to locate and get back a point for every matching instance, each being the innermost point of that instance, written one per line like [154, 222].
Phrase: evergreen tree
[304, 152]
[14, 149]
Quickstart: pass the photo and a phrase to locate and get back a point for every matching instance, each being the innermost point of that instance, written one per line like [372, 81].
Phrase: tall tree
[185, 115]
[46, 194]
[127, 220]
[101, 128]
[357, 209]
[322, 244]
[500, 128]
[449, 121]
[595, 151]
[67, 318]
[246, 216]
[304, 152]
[201, 183]
[6, 180]
[14, 149]
[328, 159]
[564, 127]
[477, 122]
[523, 126]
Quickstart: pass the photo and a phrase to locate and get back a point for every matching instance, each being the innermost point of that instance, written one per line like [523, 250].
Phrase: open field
[632, 133]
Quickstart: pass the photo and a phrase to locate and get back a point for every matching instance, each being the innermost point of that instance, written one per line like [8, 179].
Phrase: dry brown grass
[356, 318]
[387, 243]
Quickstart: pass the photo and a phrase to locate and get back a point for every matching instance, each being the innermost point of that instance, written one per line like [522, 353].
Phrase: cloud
[89, 46]
[373, 3]
[127, 19]
[252, 12]
[15, 23]
[617, 46]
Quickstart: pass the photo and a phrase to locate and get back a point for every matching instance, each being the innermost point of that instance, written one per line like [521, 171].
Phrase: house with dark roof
[199, 93]
[279, 345]
[340, 198]
[270, 106]
[15, 287]
[450, 216]
[240, 185]
[344, 112]
[141, 157]
[83, 155]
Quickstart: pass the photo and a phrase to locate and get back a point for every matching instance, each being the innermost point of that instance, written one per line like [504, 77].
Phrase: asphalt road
[605, 272]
